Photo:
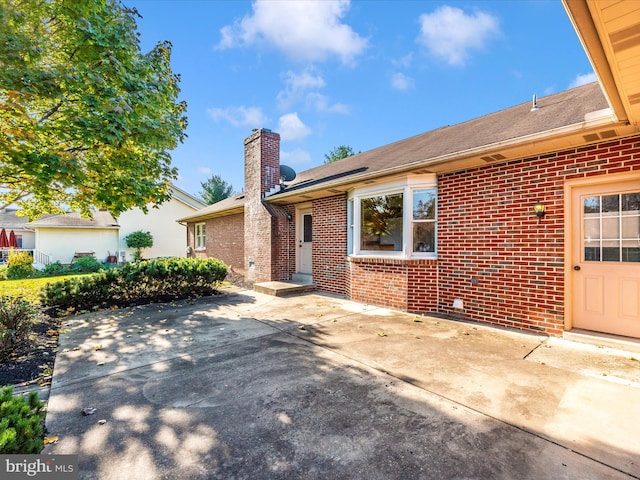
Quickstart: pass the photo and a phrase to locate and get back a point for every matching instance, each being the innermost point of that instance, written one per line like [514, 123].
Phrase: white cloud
[205, 171]
[583, 79]
[399, 81]
[450, 33]
[296, 85]
[251, 117]
[295, 157]
[320, 103]
[292, 128]
[303, 30]
[403, 62]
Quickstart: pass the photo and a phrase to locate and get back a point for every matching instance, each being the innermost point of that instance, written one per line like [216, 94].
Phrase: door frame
[301, 210]
[569, 187]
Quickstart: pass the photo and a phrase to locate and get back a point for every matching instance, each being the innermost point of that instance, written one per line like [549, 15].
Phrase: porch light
[539, 210]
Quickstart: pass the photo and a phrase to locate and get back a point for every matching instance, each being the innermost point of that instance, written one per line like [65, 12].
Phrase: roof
[558, 120]
[186, 198]
[570, 107]
[100, 219]
[11, 221]
[228, 206]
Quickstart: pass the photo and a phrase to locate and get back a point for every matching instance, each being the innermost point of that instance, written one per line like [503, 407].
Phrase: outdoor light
[538, 209]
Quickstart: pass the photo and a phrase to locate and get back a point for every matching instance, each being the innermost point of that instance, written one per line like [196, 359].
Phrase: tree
[215, 189]
[338, 153]
[86, 119]
[139, 240]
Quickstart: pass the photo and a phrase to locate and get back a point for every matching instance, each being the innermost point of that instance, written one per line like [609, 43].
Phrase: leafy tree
[338, 153]
[139, 240]
[86, 119]
[215, 189]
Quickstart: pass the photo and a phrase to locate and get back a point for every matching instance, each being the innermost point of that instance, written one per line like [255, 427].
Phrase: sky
[360, 73]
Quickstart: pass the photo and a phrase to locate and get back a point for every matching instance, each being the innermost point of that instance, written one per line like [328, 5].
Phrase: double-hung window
[200, 236]
[396, 220]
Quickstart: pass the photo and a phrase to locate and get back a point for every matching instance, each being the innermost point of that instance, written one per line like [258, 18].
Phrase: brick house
[445, 222]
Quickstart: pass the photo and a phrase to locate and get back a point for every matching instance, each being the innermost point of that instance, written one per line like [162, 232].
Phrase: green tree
[86, 119]
[139, 240]
[215, 189]
[338, 153]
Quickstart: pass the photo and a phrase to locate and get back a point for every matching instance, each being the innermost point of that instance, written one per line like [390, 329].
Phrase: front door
[605, 255]
[305, 236]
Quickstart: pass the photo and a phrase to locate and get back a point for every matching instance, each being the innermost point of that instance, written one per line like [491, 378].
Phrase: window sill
[380, 260]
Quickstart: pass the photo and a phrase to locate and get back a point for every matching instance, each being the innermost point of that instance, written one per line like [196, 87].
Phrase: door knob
[576, 268]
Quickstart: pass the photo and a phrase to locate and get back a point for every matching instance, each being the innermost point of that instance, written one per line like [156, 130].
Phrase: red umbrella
[13, 241]
[4, 241]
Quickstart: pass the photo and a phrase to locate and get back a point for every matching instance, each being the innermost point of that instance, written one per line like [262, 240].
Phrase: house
[528, 217]
[62, 237]
[169, 237]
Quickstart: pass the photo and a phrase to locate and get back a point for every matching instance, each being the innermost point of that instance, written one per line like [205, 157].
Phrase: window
[612, 228]
[381, 223]
[397, 220]
[423, 224]
[200, 236]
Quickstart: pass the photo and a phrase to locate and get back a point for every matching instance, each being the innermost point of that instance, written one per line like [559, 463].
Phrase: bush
[20, 423]
[16, 319]
[136, 283]
[3, 272]
[139, 240]
[19, 265]
[54, 268]
[86, 264]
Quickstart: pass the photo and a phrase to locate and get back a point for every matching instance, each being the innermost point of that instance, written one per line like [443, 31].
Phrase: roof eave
[521, 147]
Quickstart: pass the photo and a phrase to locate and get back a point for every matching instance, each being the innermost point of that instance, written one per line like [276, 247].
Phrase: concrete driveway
[249, 386]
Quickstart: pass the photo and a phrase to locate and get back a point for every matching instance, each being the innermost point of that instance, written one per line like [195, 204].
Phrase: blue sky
[362, 73]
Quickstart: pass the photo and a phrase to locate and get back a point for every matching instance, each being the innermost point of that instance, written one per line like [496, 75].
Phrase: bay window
[397, 219]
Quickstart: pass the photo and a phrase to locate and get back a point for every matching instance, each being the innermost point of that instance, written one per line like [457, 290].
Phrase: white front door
[605, 257]
[305, 237]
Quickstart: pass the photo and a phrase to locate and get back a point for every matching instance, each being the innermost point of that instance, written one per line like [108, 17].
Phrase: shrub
[136, 283]
[3, 272]
[53, 268]
[16, 319]
[19, 265]
[20, 423]
[139, 240]
[86, 264]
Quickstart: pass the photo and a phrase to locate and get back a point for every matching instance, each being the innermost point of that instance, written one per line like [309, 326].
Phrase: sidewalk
[245, 385]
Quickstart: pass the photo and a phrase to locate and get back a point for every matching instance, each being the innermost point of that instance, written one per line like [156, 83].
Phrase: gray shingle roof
[555, 111]
[101, 219]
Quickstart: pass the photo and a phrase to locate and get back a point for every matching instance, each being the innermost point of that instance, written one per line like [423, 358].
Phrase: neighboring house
[62, 237]
[169, 237]
[12, 222]
[444, 221]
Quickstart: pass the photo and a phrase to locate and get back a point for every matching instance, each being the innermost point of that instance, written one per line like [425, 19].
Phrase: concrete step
[280, 289]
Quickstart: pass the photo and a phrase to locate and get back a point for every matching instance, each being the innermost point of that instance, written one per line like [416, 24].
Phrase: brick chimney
[261, 173]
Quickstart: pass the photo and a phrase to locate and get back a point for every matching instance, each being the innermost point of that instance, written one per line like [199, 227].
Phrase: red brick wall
[401, 284]
[224, 240]
[494, 255]
[329, 248]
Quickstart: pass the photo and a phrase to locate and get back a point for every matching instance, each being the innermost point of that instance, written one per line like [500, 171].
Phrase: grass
[29, 288]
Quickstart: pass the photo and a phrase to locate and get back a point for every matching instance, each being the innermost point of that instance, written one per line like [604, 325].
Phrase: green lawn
[28, 288]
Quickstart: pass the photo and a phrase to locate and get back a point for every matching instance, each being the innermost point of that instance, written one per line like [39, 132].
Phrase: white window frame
[406, 187]
[200, 236]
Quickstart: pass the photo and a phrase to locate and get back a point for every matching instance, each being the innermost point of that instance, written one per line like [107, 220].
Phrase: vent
[493, 158]
[594, 137]
[635, 98]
